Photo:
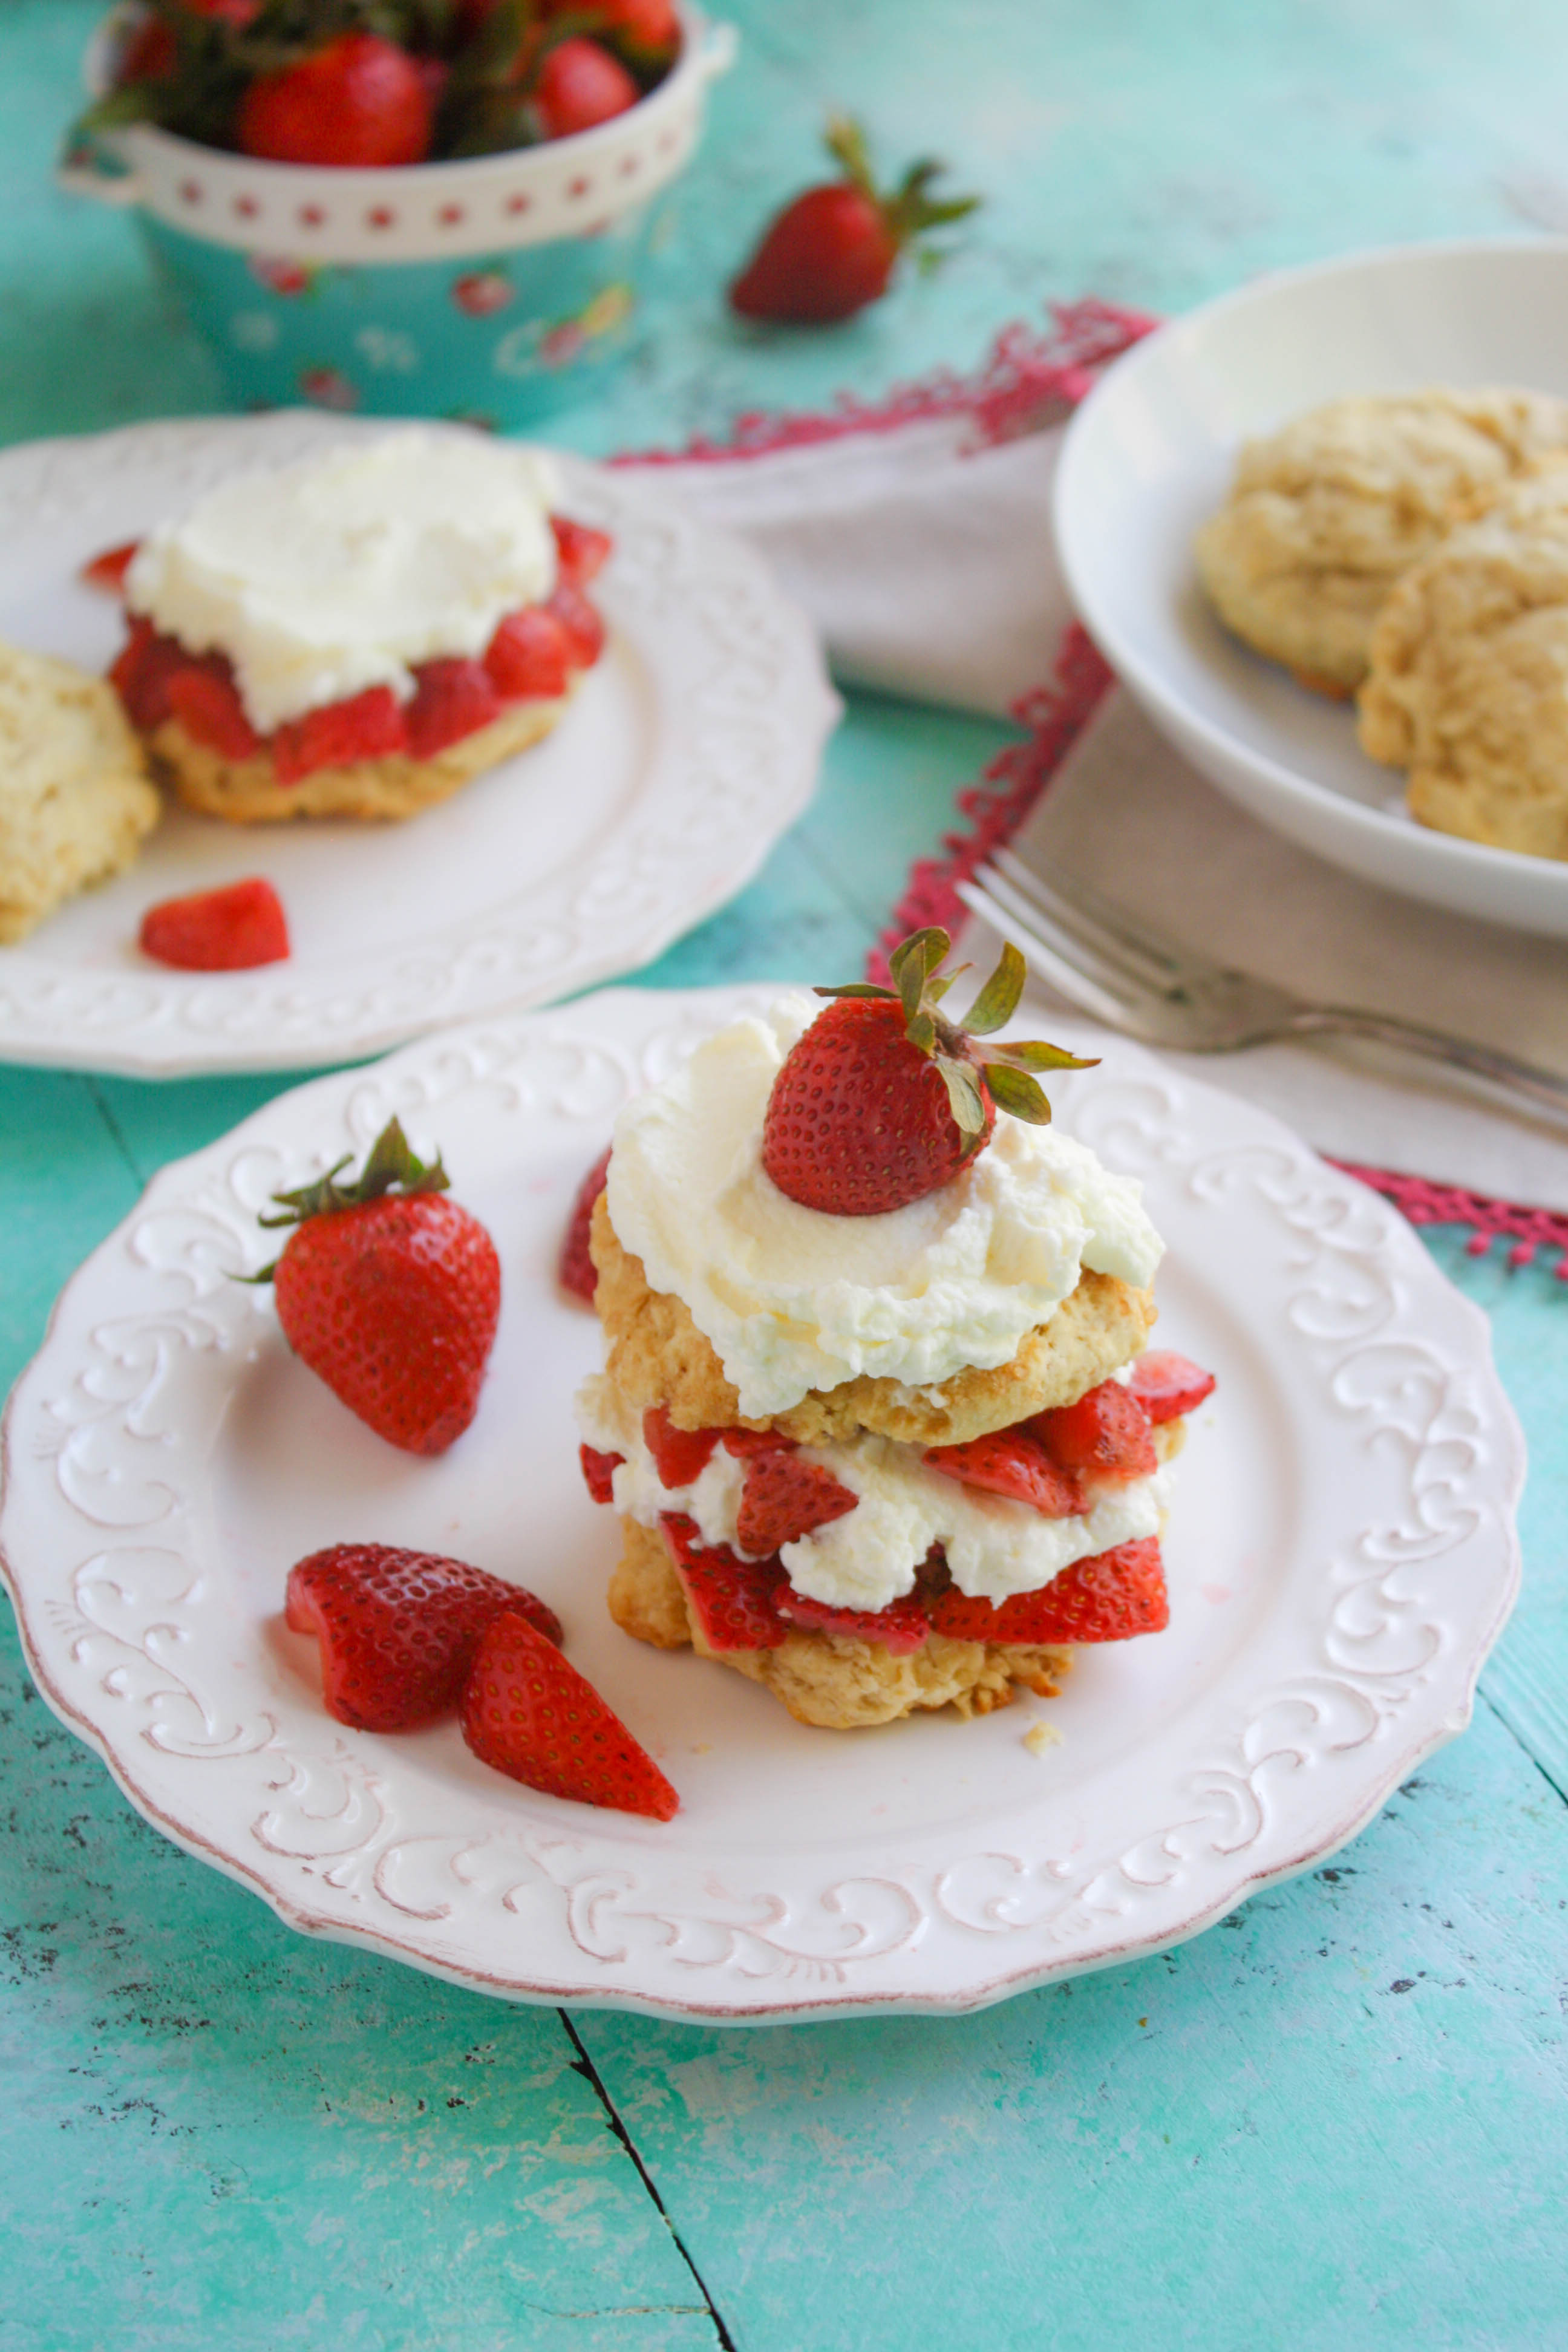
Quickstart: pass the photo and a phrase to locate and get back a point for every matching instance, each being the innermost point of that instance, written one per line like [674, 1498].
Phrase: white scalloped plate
[692, 745]
[1341, 1555]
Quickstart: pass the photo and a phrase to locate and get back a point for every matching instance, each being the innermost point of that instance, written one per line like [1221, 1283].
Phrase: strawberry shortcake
[359, 633]
[876, 1414]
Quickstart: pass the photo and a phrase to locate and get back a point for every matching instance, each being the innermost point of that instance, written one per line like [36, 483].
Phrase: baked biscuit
[1325, 515]
[1468, 687]
[75, 802]
[656, 1355]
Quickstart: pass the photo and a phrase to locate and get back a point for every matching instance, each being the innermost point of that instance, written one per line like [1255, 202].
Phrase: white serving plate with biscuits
[1341, 1553]
[1149, 458]
[694, 743]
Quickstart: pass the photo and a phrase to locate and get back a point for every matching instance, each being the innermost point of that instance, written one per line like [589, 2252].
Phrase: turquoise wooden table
[1337, 2120]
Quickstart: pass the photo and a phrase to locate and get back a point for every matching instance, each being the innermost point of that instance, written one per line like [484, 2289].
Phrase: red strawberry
[391, 1293]
[584, 629]
[451, 700]
[736, 1600]
[680, 1455]
[648, 31]
[782, 1498]
[884, 1099]
[576, 1270]
[743, 1442]
[142, 674]
[529, 1712]
[359, 101]
[598, 1470]
[529, 653]
[581, 552]
[368, 725]
[902, 1627]
[1108, 1598]
[204, 699]
[834, 249]
[1008, 1462]
[232, 930]
[108, 571]
[1104, 1435]
[1167, 1385]
[398, 1629]
[579, 84]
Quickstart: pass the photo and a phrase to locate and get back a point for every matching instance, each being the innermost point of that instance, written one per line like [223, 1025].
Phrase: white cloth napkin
[928, 564]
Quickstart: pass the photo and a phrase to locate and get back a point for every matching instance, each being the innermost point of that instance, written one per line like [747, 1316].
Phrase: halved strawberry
[140, 674]
[1104, 1435]
[368, 725]
[398, 1629]
[581, 552]
[680, 1455]
[902, 1627]
[1009, 1462]
[1167, 1385]
[108, 571]
[736, 1600]
[529, 1712]
[1108, 1598]
[529, 655]
[232, 930]
[782, 1498]
[584, 629]
[574, 1269]
[451, 700]
[743, 1443]
[204, 699]
[598, 1470]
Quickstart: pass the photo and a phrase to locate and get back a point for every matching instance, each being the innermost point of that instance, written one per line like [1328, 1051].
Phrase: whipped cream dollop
[792, 1299]
[341, 572]
[868, 1558]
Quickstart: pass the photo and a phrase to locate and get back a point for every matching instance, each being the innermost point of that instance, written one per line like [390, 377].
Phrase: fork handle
[1537, 1086]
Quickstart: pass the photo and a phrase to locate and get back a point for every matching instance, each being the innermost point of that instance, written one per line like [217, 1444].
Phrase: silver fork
[1136, 979]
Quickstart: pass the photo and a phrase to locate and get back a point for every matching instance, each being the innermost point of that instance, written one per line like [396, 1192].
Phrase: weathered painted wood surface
[1337, 2121]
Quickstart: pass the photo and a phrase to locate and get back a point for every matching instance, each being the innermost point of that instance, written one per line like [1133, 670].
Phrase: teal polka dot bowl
[497, 289]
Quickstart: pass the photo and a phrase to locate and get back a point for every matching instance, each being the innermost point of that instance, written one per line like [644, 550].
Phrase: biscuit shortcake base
[74, 800]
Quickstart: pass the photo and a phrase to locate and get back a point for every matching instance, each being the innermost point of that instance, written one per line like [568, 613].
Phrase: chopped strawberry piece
[529, 655]
[584, 629]
[368, 725]
[902, 1627]
[598, 1471]
[784, 1498]
[680, 1455]
[218, 930]
[581, 552]
[206, 700]
[529, 1712]
[736, 1600]
[108, 571]
[1167, 1385]
[1108, 1598]
[1104, 1435]
[743, 1443]
[1008, 1462]
[398, 1629]
[141, 676]
[452, 699]
[574, 1269]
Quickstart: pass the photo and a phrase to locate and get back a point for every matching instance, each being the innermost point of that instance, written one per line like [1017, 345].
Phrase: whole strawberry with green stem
[885, 1098]
[391, 1293]
[835, 247]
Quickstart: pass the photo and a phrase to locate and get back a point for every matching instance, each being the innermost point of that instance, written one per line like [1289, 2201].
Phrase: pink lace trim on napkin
[1446, 1205]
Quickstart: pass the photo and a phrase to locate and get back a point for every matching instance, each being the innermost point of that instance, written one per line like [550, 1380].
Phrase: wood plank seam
[102, 1104]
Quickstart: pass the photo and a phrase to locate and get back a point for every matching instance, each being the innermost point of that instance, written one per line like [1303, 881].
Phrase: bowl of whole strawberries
[443, 207]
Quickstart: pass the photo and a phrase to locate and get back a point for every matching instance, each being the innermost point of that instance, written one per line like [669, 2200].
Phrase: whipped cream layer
[995, 1547]
[792, 1299]
[341, 572]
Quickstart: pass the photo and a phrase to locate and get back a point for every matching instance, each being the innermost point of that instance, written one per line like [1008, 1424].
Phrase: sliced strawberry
[680, 1455]
[784, 1498]
[206, 700]
[141, 676]
[581, 552]
[1007, 1462]
[398, 1629]
[529, 1712]
[736, 1600]
[743, 1443]
[1167, 1385]
[598, 1470]
[584, 629]
[529, 655]
[1106, 1598]
[368, 725]
[1104, 1435]
[108, 571]
[232, 930]
[900, 1628]
[574, 1269]
[452, 699]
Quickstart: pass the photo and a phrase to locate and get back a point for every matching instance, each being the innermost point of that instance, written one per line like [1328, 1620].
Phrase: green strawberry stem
[393, 1166]
[909, 211]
